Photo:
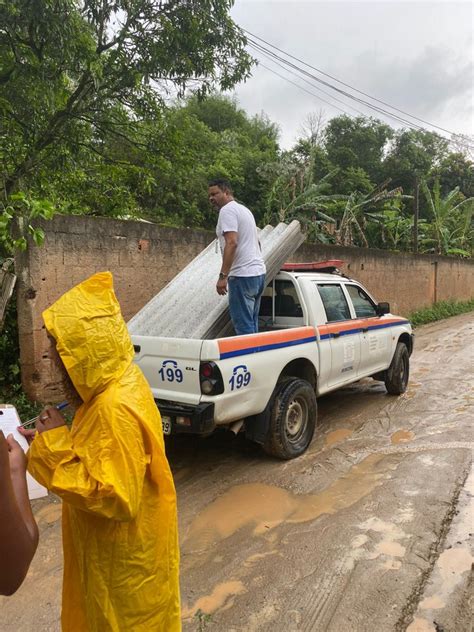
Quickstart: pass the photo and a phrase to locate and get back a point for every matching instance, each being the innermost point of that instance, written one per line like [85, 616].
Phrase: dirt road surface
[367, 532]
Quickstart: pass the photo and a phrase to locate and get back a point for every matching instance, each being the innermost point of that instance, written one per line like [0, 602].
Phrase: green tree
[76, 73]
[413, 153]
[168, 177]
[357, 144]
[218, 113]
[455, 170]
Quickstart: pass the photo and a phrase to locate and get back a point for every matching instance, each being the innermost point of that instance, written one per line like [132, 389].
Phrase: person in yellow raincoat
[120, 539]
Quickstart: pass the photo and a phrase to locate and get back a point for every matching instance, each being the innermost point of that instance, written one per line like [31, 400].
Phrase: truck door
[375, 334]
[340, 333]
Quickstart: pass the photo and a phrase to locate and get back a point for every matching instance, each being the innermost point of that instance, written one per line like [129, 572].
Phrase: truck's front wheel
[396, 377]
[293, 419]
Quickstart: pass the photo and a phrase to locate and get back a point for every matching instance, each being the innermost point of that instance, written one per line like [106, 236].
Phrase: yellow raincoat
[120, 537]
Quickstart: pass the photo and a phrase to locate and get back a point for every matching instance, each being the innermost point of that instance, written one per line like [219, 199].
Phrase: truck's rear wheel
[396, 377]
[292, 420]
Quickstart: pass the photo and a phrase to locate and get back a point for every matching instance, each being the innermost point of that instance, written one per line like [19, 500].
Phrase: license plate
[166, 421]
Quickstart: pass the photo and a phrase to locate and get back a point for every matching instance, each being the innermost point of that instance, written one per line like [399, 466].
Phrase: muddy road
[368, 531]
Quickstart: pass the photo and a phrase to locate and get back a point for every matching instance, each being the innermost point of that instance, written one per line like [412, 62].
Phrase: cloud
[417, 56]
[430, 85]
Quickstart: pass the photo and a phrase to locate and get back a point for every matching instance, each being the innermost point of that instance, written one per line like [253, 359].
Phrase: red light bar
[331, 264]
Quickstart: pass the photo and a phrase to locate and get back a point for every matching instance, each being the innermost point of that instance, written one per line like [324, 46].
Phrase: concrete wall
[144, 258]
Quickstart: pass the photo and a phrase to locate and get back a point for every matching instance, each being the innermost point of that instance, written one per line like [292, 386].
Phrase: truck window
[287, 302]
[363, 305]
[334, 302]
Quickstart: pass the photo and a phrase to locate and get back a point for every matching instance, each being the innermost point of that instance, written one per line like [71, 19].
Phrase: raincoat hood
[91, 335]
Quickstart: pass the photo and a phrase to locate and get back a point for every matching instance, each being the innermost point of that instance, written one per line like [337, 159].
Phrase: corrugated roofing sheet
[189, 306]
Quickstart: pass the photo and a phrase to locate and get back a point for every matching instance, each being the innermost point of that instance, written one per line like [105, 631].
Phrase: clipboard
[9, 421]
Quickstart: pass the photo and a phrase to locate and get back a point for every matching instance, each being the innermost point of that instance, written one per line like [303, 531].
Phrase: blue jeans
[244, 302]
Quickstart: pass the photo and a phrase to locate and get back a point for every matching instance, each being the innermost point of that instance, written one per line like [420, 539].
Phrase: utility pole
[415, 215]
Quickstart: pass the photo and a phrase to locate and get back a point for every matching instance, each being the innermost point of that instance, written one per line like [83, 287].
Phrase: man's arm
[228, 256]
[18, 530]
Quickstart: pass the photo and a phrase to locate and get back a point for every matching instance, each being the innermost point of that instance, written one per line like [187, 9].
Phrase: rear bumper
[201, 416]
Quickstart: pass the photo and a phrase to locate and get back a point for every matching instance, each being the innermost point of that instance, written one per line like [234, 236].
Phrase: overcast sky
[417, 56]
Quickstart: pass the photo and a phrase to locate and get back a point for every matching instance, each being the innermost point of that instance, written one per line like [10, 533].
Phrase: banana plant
[361, 208]
[451, 230]
[295, 195]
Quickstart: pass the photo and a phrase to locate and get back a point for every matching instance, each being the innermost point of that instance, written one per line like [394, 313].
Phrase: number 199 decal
[169, 372]
[240, 377]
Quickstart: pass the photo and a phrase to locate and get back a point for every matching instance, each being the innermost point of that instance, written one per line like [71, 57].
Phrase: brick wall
[144, 258]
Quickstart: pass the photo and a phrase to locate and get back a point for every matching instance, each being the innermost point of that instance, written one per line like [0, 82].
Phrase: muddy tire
[396, 378]
[292, 419]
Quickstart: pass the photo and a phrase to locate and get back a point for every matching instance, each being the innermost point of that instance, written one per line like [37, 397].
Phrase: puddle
[402, 436]
[360, 481]
[453, 563]
[432, 603]
[388, 547]
[264, 507]
[218, 598]
[421, 625]
[338, 435]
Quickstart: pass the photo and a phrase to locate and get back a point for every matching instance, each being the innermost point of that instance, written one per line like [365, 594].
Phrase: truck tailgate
[171, 367]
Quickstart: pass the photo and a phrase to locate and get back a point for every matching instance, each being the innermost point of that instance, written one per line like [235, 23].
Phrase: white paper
[9, 421]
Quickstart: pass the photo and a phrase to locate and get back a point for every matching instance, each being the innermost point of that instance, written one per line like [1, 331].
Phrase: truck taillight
[210, 378]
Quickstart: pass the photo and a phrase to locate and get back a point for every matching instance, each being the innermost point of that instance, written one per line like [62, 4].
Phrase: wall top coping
[86, 224]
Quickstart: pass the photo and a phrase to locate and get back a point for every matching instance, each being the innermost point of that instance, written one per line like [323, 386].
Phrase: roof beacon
[331, 266]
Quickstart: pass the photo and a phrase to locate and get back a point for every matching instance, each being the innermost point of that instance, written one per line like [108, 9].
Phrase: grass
[438, 311]
[202, 620]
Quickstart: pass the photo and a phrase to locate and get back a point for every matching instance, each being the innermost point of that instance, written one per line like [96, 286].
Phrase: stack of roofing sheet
[189, 306]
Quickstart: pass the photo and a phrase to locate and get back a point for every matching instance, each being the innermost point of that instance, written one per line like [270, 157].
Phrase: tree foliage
[118, 109]
[451, 230]
[77, 74]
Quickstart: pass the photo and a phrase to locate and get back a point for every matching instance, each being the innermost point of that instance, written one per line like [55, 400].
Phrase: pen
[60, 406]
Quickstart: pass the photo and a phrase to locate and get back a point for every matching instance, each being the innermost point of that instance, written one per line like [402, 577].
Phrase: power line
[274, 57]
[309, 83]
[349, 86]
[343, 92]
[378, 109]
[300, 87]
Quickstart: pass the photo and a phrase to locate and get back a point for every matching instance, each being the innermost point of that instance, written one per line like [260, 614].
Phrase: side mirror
[382, 308]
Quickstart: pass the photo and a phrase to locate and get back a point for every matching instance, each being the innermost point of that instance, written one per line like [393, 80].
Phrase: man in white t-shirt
[243, 269]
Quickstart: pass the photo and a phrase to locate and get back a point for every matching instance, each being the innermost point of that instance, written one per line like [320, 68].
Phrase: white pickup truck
[319, 330]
